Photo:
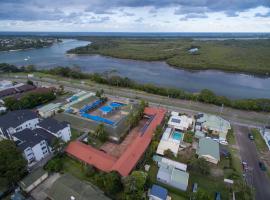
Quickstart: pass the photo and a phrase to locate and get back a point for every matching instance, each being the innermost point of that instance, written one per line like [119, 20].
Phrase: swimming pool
[177, 135]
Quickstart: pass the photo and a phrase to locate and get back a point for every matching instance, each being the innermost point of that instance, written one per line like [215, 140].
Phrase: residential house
[209, 150]
[168, 142]
[172, 173]
[158, 193]
[180, 122]
[213, 124]
[58, 129]
[49, 110]
[176, 178]
[16, 121]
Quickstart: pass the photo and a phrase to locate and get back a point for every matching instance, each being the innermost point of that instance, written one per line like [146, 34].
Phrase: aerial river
[233, 85]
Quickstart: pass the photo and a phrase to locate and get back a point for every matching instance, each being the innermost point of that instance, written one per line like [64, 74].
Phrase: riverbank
[244, 56]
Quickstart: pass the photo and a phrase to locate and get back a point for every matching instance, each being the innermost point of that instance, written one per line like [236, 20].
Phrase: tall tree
[12, 163]
[134, 185]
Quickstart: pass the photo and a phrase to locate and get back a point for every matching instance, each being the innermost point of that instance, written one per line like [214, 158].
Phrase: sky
[135, 15]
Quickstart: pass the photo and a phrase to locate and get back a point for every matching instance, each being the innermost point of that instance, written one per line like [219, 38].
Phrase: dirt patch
[117, 150]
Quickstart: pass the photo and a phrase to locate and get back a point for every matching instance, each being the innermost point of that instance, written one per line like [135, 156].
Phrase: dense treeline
[205, 96]
[30, 100]
[248, 56]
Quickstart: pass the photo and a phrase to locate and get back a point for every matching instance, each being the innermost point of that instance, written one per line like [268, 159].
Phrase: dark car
[250, 136]
[262, 166]
[217, 196]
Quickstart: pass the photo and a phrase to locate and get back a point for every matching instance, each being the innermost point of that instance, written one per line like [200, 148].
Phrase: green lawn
[209, 184]
[231, 137]
[75, 133]
[259, 141]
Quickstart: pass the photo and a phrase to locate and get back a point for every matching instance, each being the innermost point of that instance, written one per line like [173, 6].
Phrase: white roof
[167, 144]
[173, 113]
[182, 122]
[177, 165]
[166, 134]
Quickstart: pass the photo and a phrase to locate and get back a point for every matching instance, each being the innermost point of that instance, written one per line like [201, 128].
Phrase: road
[249, 154]
[237, 117]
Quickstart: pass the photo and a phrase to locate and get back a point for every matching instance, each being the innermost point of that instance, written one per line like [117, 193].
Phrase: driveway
[255, 177]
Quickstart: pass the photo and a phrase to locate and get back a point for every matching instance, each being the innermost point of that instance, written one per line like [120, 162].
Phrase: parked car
[223, 142]
[262, 166]
[194, 187]
[217, 196]
[250, 136]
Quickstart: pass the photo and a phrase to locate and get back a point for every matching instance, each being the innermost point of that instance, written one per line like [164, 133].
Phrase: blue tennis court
[106, 109]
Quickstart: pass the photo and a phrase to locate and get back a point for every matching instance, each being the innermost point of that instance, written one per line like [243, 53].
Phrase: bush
[54, 165]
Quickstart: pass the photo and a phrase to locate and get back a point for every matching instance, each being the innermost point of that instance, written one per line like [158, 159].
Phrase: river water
[232, 85]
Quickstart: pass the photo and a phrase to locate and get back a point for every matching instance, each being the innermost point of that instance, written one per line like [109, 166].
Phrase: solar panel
[176, 120]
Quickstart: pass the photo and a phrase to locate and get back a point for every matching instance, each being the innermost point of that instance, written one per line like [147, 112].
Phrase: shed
[33, 179]
[49, 109]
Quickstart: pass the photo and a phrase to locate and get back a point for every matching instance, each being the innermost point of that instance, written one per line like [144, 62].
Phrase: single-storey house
[209, 150]
[167, 142]
[162, 160]
[171, 176]
[181, 122]
[215, 124]
[158, 193]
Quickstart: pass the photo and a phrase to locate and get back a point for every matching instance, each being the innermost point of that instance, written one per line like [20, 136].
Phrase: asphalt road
[237, 117]
[248, 152]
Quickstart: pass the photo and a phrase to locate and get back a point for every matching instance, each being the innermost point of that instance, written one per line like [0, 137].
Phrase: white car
[223, 142]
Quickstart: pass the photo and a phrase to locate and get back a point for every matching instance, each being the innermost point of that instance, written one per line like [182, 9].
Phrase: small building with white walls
[49, 110]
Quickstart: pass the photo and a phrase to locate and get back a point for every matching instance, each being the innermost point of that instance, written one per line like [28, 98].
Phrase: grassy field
[259, 141]
[249, 56]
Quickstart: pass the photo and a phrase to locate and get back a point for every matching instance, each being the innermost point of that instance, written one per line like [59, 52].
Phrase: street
[248, 153]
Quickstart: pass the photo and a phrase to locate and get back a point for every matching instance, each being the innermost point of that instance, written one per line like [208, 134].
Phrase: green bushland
[248, 56]
[205, 96]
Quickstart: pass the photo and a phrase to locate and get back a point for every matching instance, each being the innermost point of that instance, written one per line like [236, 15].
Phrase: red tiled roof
[91, 155]
[129, 158]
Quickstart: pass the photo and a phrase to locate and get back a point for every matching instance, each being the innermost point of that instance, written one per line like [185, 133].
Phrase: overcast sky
[135, 15]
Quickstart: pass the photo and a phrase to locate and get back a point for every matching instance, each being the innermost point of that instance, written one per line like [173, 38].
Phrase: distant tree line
[205, 96]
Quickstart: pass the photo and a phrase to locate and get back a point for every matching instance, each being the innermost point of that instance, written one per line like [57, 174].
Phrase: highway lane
[248, 152]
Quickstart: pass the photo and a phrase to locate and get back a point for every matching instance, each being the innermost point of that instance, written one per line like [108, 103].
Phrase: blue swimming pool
[177, 135]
